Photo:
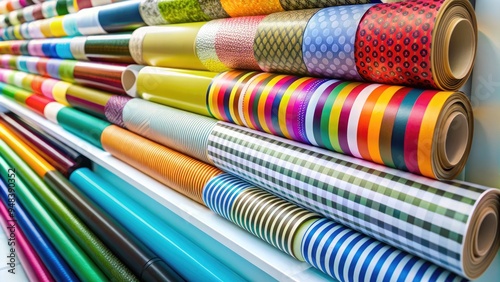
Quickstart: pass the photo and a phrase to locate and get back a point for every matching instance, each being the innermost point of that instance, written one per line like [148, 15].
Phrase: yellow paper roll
[182, 89]
[45, 27]
[59, 92]
[172, 46]
[56, 27]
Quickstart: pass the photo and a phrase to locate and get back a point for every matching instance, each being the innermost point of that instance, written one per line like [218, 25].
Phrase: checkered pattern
[425, 217]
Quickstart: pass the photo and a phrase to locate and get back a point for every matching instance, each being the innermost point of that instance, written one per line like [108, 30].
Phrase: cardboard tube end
[457, 136]
[461, 46]
[485, 238]
[129, 79]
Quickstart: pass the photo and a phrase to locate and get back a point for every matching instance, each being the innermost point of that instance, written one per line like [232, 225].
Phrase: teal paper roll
[187, 259]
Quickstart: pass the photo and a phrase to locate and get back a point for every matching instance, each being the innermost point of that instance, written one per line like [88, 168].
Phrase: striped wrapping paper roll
[80, 263]
[347, 255]
[101, 76]
[167, 126]
[57, 266]
[32, 264]
[264, 215]
[454, 224]
[179, 172]
[107, 262]
[427, 132]
[343, 254]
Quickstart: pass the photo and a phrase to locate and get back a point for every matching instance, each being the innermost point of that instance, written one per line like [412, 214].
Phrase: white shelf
[273, 262]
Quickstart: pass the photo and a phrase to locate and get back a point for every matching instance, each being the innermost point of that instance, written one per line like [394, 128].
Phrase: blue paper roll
[328, 45]
[187, 259]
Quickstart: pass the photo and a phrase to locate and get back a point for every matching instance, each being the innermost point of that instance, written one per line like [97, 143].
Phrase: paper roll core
[128, 79]
[457, 136]
[485, 237]
[460, 39]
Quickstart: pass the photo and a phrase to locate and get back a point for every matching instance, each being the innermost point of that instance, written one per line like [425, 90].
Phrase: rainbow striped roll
[426, 132]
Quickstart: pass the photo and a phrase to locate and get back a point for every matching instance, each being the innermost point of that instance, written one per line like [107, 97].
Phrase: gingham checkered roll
[453, 224]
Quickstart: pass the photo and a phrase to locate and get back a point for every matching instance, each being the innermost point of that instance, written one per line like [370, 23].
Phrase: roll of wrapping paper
[86, 127]
[183, 89]
[88, 100]
[120, 16]
[30, 261]
[179, 172]
[101, 76]
[52, 154]
[307, 237]
[141, 260]
[272, 47]
[81, 264]
[108, 48]
[449, 26]
[205, 46]
[109, 264]
[167, 126]
[347, 255]
[266, 216]
[190, 261]
[392, 206]
[57, 266]
[159, 49]
[53, 142]
[329, 42]
[228, 43]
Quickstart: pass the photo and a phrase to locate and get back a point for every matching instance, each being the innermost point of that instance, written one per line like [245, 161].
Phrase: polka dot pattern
[393, 43]
[329, 40]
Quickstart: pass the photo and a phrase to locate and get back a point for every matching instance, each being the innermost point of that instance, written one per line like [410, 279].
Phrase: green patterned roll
[181, 11]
